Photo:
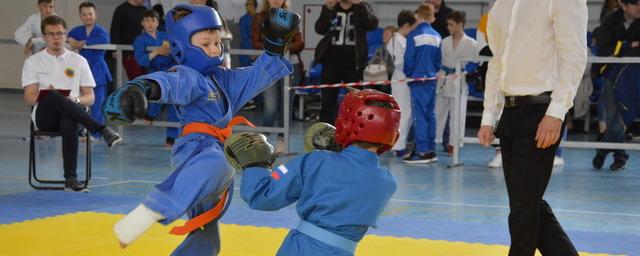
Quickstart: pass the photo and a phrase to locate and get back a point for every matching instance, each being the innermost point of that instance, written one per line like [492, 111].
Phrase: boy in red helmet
[329, 186]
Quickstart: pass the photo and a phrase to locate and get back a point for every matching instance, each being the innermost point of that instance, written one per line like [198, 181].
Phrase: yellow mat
[90, 233]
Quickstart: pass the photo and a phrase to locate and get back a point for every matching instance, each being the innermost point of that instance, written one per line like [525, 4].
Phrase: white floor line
[507, 207]
[123, 182]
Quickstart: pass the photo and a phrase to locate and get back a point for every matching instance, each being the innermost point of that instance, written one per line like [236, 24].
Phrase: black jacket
[440, 24]
[612, 30]
[364, 20]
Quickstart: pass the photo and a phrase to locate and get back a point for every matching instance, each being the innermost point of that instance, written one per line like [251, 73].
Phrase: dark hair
[86, 5]
[52, 20]
[406, 17]
[159, 9]
[255, 3]
[629, 1]
[150, 14]
[457, 17]
[45, 1]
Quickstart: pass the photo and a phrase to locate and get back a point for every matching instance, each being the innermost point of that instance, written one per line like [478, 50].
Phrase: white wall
[13, 15]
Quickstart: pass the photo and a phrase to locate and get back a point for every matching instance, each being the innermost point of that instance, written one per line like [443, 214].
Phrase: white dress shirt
[537, 46]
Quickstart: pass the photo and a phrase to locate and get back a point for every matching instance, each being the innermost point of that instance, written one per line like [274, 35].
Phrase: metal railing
[120, 80]
[458, 139]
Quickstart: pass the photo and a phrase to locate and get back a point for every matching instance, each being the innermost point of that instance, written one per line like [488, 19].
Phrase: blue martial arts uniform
[423, 58]
[201, 172]
[159, 63]
[98, 66]
[342, 193]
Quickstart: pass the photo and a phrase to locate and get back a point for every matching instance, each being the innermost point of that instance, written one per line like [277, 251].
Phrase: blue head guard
[180, 32]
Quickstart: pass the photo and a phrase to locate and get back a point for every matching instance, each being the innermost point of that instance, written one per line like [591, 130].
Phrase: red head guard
[370, 116]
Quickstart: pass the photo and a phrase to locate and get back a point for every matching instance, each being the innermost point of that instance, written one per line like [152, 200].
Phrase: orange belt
[221, 134]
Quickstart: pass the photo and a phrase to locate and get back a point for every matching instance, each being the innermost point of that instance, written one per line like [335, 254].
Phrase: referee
[540, 54]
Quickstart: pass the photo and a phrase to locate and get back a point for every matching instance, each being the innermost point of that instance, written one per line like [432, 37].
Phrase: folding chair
[32, 162]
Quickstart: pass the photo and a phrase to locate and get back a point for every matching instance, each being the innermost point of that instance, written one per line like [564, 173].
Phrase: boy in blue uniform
[340, 194]
[158, 59]
[423, 59]
[89, 34]
[207, 97]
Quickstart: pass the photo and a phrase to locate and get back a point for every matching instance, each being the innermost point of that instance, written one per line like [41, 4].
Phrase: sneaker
[558, 161]
[72, 184]
[497, 161]
[450, 150]
[111, 137]
[416, 158]
[617, 165]
[598, 161]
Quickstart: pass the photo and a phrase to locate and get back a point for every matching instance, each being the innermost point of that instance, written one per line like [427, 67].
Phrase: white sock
[129, 228]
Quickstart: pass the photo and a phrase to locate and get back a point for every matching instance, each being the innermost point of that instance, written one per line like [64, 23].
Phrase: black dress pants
[527, 171]
[55, 113]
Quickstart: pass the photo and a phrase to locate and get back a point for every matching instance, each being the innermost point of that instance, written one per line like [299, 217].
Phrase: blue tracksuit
[343, 193]
[246, 22]
[97, 64]
[201, 172]
[422, 58]
[159, 63]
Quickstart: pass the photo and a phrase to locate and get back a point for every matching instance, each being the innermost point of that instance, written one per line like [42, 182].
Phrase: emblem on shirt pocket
[213, 96]
[69, 72]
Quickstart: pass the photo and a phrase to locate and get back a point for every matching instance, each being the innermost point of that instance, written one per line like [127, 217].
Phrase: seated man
[57, 68]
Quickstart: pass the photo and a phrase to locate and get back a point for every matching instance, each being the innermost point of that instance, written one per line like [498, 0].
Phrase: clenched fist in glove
[129, 102]
[248, 149]
[278, 29]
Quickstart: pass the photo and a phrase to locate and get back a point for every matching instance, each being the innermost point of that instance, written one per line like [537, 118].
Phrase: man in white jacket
[29, 34]
[400, 91]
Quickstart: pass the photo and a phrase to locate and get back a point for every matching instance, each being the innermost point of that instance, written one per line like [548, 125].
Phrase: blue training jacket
[422, 57]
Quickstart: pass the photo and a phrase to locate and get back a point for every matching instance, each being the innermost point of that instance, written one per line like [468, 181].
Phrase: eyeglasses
[56, 34]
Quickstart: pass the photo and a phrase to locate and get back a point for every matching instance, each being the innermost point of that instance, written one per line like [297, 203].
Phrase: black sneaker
[421, 159]
[110, 137]
[598, 161]
[72, 184]
[617, 165]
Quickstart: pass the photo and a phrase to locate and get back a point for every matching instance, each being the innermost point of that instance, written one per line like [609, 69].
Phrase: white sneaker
[558, 161]
[496, 162]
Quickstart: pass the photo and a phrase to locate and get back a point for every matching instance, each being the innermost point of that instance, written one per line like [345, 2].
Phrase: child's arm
[180, 86]
[268, 190]
[100, 36]
[245, 83]
[409, 58]
[139, 49]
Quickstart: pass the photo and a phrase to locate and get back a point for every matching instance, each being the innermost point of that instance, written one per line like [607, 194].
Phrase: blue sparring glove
[278, 29]
[129, 102]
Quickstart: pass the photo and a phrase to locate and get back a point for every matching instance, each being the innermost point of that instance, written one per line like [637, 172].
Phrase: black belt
[515, 101]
